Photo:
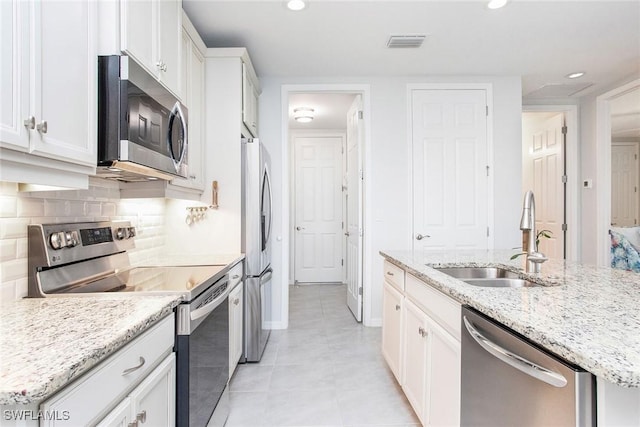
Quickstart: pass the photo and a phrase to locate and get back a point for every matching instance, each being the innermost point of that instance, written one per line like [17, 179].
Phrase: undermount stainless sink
[478, 272]
[501, 283]
[488, 277]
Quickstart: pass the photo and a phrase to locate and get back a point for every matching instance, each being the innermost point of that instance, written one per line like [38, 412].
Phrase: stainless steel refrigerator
[256, 245]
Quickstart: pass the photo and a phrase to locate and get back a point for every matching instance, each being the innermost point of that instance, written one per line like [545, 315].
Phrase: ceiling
[330, 110]
[542, 41]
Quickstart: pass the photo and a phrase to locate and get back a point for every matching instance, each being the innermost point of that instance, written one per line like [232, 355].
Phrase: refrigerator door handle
[266, 276]
[526, 366]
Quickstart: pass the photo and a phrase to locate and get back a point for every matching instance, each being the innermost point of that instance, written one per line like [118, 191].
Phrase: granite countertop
[46, 343]
[590, 316]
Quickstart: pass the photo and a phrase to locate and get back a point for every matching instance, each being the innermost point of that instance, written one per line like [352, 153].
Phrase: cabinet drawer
[235, 275]
[442, 308]
[394, 275]
[89, 397]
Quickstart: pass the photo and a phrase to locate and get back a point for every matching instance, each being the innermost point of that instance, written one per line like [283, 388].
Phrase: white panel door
[546, 154]
[624, 184]
[450, 184]
[318, 224]
[355, 137]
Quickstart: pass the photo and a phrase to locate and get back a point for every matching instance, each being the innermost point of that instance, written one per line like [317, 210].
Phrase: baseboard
[279, 325]
[374, 323]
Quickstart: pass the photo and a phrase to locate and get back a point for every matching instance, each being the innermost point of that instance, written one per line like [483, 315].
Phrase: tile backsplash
[100, 202]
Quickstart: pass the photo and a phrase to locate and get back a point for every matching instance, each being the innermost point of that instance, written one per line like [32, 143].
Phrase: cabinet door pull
[389, 273]
[397, 307]
[235, 276]
[142, 416]
[135, 368]
[133, 424]
[42, 126]
[236, 301]
[422, 332]
[30, 122]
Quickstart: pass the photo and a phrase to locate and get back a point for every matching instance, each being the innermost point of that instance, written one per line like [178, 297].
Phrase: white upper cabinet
[151, 33]
[249, 100]
[48, 82]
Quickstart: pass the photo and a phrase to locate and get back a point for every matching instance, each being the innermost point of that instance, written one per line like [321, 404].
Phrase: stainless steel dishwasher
[508, 381]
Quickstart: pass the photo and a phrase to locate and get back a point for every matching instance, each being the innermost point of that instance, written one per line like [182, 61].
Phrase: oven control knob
[57, 240]
[122, 233]
[72, 239]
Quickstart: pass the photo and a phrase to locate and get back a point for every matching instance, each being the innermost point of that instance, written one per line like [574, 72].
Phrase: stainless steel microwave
[142, 127]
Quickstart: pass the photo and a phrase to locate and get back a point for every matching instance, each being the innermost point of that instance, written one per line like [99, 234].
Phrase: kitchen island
[587, 315]
[47, 343]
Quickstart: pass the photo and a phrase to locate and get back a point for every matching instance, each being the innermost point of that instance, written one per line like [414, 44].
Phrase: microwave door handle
[176, 111]
[520, 363]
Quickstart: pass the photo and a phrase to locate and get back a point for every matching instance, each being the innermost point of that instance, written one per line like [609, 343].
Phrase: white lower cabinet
[136, 383]
[236, 308]
[151, 403]
[421, 350]
[392, 301]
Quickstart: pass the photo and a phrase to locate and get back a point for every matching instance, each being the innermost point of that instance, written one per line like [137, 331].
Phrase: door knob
[299, 228]
[420, 236]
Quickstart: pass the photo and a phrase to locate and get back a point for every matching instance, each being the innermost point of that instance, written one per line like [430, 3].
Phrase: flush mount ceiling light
[497, 4]
[296, 5]
[575, 75]
[303, 114]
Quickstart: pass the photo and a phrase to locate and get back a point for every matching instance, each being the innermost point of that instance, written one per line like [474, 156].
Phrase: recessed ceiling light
[296, 5]
[303, 114]
[575, 75]
[496, 4]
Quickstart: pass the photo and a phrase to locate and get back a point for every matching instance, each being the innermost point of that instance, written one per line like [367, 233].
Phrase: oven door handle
[207, 308]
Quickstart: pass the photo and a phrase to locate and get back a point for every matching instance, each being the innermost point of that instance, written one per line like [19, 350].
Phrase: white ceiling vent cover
[406, 40]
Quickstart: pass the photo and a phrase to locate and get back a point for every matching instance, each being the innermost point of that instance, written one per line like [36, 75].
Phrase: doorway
[326, 197]
[605, 117]
[549, 168]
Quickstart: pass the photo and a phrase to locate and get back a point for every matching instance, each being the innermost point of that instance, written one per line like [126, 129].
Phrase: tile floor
[325, 370]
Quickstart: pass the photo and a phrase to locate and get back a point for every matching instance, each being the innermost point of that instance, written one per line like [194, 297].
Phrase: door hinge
[564, 130]
[486, 109]
[342, 149]
[487, 231]
[342, 262]
[342, 225]
[564, 179]
[361, 232]
[361, 115]
[361, 174]
[360, 290]
[564, 227]
[487, 170]
[635, 156]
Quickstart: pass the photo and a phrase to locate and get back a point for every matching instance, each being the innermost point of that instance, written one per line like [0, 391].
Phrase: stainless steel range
[91, 257]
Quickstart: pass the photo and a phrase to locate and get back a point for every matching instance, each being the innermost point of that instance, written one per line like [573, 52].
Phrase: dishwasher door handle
[526, 366]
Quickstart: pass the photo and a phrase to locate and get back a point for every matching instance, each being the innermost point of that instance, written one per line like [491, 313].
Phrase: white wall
[389, 186]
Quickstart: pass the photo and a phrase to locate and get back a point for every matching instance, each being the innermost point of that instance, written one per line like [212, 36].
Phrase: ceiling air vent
[406, 40]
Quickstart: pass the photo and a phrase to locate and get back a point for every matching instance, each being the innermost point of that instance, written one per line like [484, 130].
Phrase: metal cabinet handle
[236, 301]
[397, 307]
[133, 424]
[422, 332]
[42, 126]
[520, 363]
[389, 273]
[160, 65]
[299, 228]
[192, 177]
[135, 368]
[30, 122]
[347, 234]
[421, 236]
[142, 416]
[235, 276]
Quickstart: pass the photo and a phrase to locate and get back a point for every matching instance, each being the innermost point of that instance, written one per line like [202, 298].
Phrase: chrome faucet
[528, 227]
